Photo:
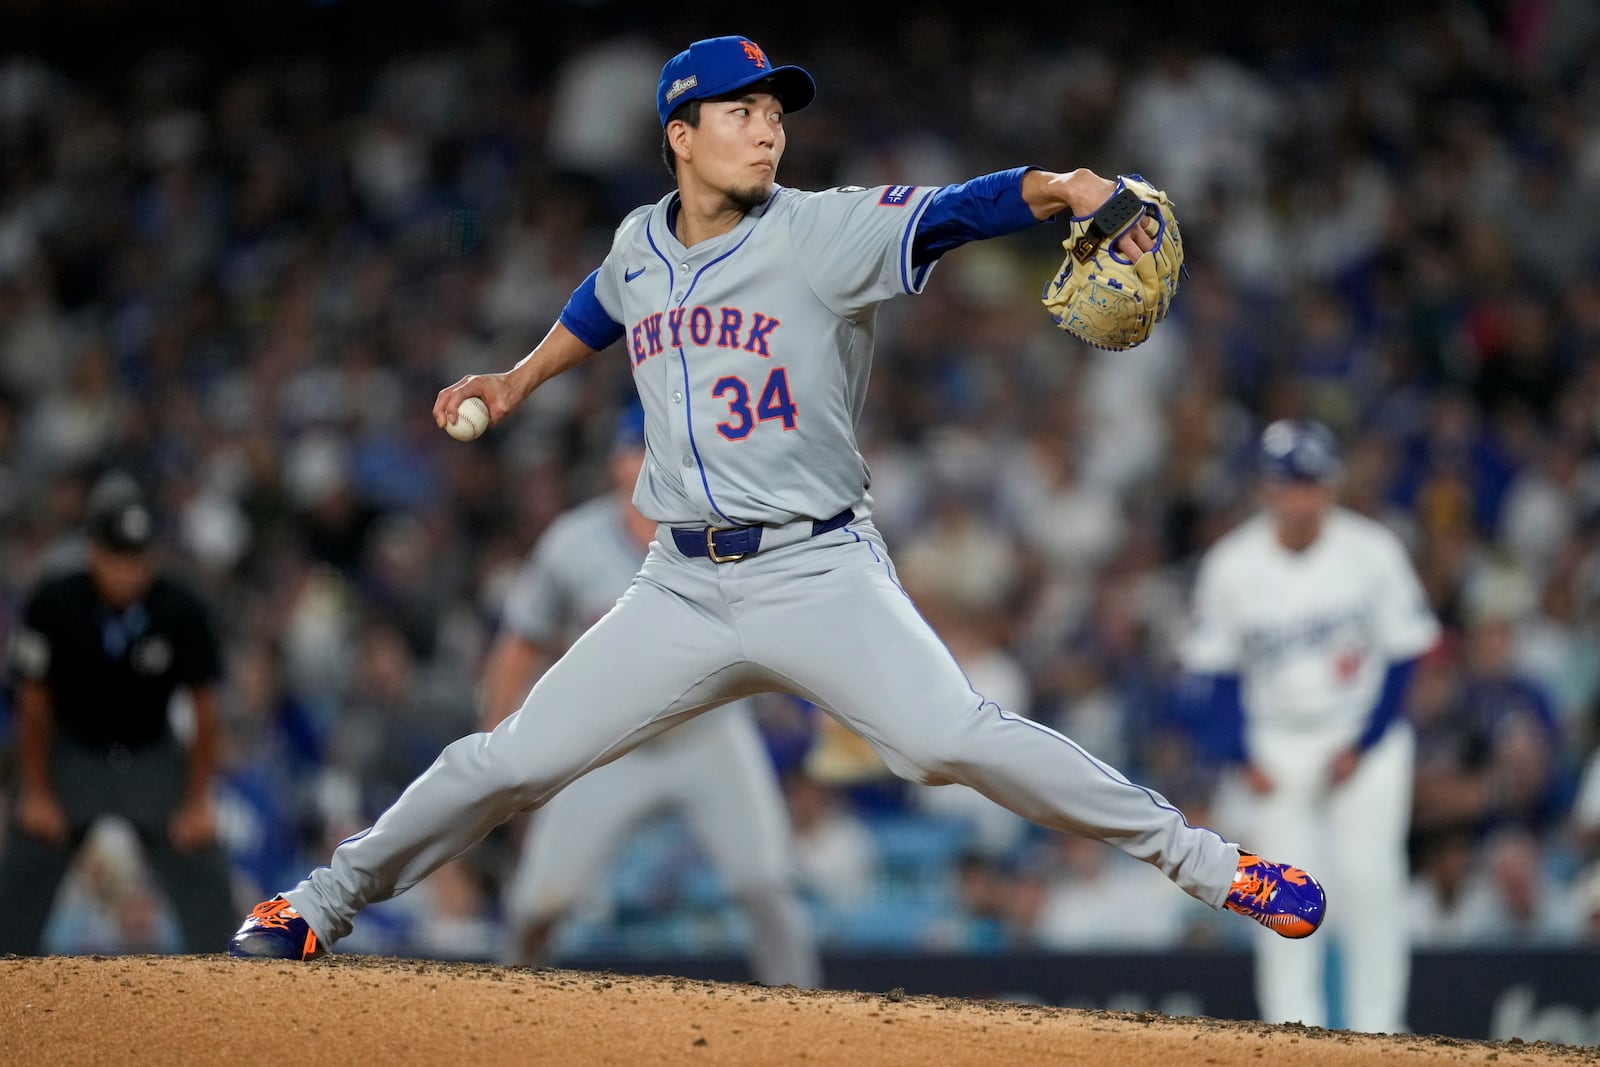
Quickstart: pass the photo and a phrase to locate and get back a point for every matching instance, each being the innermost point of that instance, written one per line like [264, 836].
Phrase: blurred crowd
[242, 279]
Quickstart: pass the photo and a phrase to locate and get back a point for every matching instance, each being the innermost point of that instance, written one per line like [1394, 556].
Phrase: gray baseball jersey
[713, 771]
[751, 352]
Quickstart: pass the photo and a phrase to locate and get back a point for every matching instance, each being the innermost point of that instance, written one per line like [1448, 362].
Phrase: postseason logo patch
[681, 86]
[897, 195]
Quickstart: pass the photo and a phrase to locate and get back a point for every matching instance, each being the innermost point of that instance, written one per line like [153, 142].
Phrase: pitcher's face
[736, 148]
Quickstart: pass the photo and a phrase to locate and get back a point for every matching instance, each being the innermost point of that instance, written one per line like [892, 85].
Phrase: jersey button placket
[682, 443]
[691, 476]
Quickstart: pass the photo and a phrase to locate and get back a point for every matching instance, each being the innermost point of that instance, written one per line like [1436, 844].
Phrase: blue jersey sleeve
[1391, 698]
[1212, 708]
[989, 206]
[587, 320]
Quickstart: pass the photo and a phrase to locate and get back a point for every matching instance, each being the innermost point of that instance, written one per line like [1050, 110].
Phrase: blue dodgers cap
[720, 65]
[1299, 450]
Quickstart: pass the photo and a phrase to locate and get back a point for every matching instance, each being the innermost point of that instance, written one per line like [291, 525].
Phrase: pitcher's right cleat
[1284, 899]
[275, 931]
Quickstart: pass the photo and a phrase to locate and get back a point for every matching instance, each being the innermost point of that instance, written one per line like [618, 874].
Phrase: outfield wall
[1529, 994]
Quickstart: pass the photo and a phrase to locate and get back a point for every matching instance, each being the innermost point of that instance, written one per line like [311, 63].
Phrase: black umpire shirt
[111, 675]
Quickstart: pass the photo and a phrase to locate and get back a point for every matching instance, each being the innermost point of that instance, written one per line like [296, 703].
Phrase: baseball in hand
[472, 418]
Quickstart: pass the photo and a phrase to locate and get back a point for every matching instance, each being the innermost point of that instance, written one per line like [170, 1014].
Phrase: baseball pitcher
[746, 311]
[1307, 622]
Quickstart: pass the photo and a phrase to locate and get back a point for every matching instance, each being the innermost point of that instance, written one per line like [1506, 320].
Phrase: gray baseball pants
[715, 774]
[824, 618]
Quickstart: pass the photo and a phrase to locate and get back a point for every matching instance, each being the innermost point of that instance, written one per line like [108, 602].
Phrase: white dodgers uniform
[713, 771]
[1311, 635]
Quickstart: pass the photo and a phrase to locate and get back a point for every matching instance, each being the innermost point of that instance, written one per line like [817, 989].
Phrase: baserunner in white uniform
[1307, 622]
[713, 771]
[747, 311]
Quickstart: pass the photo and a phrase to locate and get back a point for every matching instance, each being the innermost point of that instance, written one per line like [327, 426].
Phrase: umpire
[97, 656]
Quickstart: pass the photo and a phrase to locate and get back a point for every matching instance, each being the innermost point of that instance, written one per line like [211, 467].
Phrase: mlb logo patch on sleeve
[897, 195]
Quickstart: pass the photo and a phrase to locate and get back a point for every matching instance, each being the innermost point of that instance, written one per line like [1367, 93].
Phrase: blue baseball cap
[1299, 450]
[718, 66]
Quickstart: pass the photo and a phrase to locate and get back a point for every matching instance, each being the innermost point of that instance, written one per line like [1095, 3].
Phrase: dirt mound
[176, 1010]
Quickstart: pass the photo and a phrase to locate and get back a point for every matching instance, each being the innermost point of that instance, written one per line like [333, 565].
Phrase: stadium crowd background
[240, 253]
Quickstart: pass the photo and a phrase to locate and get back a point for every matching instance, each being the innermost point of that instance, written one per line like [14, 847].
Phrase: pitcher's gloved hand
[1099, 296]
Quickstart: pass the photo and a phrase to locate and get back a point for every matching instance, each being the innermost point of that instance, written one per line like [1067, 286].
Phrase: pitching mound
[209, 1010]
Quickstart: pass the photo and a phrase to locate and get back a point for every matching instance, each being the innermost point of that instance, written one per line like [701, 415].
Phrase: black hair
[689, 112]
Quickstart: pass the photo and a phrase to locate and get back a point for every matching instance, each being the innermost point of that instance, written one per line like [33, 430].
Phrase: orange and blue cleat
[1284, 899]
[275, 931]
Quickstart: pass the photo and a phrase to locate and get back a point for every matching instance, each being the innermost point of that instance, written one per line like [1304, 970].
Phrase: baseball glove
[1098, 296]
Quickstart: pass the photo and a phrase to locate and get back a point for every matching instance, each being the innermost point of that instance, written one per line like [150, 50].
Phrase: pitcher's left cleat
[275, 931]
[1284, 899]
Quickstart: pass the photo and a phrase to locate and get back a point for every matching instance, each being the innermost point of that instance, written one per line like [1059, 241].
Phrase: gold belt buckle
[711, 549]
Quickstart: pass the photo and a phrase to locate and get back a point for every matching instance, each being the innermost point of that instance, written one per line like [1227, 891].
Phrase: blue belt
[724, 544]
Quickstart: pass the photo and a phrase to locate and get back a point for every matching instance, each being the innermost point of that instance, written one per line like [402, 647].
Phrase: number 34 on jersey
[698, 325]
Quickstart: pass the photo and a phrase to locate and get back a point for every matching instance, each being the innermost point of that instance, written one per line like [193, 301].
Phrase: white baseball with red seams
[472, 418]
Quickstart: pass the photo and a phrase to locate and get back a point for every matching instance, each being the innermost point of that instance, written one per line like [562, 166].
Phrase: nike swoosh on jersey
[632, 274]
